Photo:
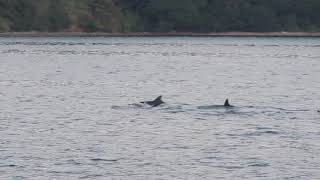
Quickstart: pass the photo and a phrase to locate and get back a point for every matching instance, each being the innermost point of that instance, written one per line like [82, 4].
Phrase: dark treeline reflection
[159, 15]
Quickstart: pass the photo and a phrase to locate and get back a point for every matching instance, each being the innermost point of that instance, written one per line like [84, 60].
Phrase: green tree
[58, 18]
[159, 15]
[170, 14]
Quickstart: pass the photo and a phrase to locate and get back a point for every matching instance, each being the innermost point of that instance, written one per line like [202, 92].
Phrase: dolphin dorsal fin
[226, 103]
[158, 98]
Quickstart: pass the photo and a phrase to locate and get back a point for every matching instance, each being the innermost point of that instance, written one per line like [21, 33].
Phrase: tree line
[159, 15]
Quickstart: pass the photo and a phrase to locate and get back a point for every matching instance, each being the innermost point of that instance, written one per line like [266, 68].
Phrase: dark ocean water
[68, 108]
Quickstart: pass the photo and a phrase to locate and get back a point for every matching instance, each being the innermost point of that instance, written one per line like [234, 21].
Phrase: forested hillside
[159, 15]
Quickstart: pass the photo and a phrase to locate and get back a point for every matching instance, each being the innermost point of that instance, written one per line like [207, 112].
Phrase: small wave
[260, 133]
[94, 176]
[26, 100]
[116, 107]
[278, 109]
[272, 45]
[293, 110]
[230, 167]
[14, 51]
[66, 52]
[257, 164]
[129, 106]
[175, 109]
[8, 165]
[106, 160]
[212, 157]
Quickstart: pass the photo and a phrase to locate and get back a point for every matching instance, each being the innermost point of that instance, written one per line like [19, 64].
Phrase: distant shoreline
[171, 34]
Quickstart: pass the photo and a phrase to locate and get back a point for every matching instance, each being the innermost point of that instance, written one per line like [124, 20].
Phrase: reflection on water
[70, 108]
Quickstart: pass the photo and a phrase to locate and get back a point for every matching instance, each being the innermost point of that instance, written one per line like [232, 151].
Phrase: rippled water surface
[68, 108]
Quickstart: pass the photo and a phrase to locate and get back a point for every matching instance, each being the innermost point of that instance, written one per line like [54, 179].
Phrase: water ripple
[70, 108]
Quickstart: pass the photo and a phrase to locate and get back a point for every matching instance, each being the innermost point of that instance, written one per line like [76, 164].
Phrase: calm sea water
[67, 108]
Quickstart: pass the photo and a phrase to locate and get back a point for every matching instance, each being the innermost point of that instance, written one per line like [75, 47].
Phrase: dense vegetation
[159, 15]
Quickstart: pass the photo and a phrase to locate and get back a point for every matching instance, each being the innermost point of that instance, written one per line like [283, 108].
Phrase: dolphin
[226, 103]
[155, 102]
[224, 106]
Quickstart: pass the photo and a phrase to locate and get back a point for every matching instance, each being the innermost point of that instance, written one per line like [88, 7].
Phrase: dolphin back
[155, 102]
